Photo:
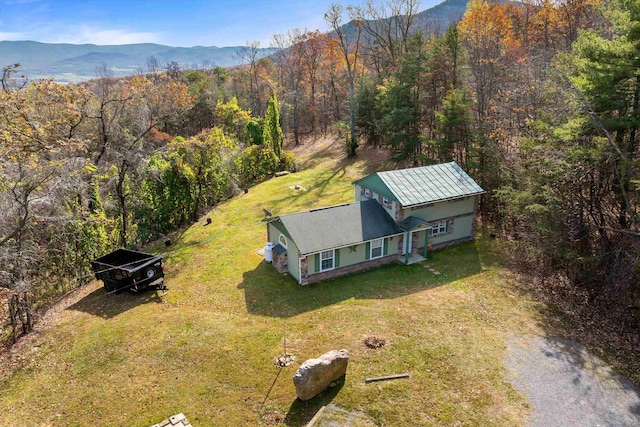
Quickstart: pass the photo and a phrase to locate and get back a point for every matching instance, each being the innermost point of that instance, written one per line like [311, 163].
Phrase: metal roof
[421, 185]
[338, 226]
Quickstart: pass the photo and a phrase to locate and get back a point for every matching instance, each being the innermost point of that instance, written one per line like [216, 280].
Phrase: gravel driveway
[566, 386]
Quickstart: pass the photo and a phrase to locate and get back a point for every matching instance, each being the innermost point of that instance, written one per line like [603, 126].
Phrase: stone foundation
[280, 262]
[341, 271]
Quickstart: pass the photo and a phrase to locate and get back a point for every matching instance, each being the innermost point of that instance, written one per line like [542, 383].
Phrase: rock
[315, 375]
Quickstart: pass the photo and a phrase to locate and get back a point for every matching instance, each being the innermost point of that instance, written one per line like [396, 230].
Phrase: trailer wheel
[149, 273]
[109, 286]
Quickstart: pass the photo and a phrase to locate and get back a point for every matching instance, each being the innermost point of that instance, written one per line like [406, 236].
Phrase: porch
[411, 258]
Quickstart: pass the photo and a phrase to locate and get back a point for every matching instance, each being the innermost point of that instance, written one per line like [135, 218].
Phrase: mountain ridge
[66, 62]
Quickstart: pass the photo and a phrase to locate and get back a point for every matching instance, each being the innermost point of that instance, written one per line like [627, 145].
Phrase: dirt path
[566, 386]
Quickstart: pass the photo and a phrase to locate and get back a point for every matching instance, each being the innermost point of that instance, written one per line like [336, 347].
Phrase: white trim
[300, 270]
[381, 248]
[333, 260]
[356, 244]
[407, 245]
[282, 237]
[437, 228]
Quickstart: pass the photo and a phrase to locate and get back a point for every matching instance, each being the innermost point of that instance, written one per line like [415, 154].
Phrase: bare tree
[350, 48]
[387, 27]
[249, 56]
[8, 82]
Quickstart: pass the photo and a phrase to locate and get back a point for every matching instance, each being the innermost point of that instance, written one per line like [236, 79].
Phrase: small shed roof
[421, 185]
[337, 226]
[412, 222]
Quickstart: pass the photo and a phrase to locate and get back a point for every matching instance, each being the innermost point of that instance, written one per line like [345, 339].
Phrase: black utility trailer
[126, 269]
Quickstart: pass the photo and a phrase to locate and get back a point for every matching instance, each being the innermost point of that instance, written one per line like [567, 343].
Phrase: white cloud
[12, 36]
[87, 34]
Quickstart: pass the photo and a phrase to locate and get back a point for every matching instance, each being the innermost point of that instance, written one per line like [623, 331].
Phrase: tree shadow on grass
[102, 304]
[300, 413]
[269, 293]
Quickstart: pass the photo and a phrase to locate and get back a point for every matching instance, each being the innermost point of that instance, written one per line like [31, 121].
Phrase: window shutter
[367, 252]
[337, 258]
[386, 247]
[317, 262]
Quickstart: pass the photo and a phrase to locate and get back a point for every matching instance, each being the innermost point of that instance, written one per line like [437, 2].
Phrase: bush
[255, 163]
[287, 161]
[253, 129]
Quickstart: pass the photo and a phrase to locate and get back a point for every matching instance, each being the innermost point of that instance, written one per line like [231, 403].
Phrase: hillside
[69, 62]
[206, 349]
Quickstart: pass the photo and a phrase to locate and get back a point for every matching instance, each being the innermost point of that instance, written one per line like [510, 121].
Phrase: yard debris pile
[375, 342]
[284, 360]
[273, 418]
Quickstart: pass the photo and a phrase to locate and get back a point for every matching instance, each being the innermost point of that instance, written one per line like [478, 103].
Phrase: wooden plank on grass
[316, 417]
[387, 378]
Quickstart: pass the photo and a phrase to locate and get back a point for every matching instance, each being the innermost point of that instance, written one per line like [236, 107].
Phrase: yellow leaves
[90, 167]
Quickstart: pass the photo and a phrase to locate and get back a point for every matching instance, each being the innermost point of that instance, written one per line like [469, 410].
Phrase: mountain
[73, 63]
[434, 20]
[70, 62]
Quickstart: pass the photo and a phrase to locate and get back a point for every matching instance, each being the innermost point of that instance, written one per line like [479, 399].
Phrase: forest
[538, 100]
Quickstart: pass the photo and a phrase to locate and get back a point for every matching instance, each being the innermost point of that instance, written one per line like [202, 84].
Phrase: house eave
[447, 199]
[305, 254]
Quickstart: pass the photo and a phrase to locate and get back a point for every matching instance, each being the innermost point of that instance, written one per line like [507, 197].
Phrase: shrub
[255, 163]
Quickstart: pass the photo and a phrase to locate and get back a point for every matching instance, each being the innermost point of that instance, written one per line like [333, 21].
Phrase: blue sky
[175, 23]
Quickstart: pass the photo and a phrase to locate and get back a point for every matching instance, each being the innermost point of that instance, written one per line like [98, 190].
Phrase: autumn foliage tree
[41, 162]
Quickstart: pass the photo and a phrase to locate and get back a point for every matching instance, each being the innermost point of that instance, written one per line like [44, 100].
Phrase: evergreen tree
[272, 135]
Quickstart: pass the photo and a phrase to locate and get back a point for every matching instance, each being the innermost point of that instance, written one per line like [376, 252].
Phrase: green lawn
[207, 348]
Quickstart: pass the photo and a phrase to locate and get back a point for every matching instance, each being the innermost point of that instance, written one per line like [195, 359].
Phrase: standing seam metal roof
[427, 184]
[337, 226]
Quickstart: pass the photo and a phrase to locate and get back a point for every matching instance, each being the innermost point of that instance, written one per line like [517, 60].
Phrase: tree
[349, 47]
[192, 176]
[124, 115]
[41, 159]
[454, 124]
[232, 119]
[250, 56]
[272, 135]
[402, 104]
[290, 59]
[387, 28]
[9, 82]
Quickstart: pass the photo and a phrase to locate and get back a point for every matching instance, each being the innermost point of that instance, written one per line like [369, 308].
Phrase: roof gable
[338, 226]
[426, 184]
[375, 184]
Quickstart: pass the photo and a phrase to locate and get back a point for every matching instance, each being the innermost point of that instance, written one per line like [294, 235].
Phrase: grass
[207, 348]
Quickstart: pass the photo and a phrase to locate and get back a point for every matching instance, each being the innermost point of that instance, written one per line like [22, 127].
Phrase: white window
[367, 192]
[376, 248]
[283, 241]
[439, 228]
[385, 201]
[326, 260]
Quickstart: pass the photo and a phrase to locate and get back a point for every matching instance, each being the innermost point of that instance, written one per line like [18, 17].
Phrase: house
[397, 216]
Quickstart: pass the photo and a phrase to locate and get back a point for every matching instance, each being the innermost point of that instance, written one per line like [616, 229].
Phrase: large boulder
[315, 375]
